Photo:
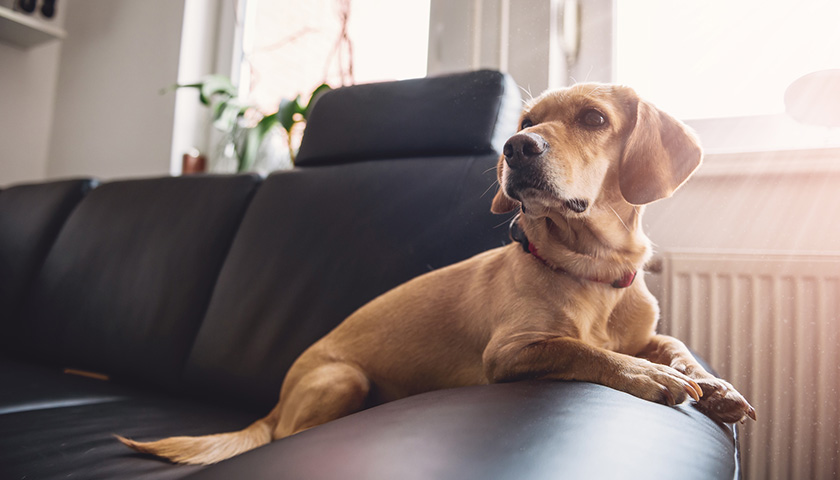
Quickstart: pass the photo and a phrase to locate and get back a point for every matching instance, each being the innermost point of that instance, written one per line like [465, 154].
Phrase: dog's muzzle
[522, 154]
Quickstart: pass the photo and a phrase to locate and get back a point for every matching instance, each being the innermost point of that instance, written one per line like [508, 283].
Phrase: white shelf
[25, 31]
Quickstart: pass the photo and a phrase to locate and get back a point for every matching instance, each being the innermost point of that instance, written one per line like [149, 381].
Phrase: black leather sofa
[193, 295]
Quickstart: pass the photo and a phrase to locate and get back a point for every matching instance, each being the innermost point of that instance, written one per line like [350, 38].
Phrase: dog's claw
[690, 390]
[697, 389]
[724, 404]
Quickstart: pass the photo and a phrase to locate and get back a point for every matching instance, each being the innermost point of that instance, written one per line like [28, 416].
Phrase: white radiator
[770, 324]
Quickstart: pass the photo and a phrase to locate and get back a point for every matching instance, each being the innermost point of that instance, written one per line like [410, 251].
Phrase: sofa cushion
[30, 218]
[461, 114]
[29, 387]
[317, 243]
[62, 426]
[128, 280]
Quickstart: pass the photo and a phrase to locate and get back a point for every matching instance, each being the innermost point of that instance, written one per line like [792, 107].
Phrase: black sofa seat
[56, 425]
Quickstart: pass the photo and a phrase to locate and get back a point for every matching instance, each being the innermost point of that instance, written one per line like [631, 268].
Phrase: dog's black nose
[521, 148]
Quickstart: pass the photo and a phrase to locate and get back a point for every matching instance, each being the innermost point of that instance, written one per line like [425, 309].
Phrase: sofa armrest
[524, 430]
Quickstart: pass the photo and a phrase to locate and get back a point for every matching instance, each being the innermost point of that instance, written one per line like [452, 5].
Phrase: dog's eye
[526, 123]
[592, 118]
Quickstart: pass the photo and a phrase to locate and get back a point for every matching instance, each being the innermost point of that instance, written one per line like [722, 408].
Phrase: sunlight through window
[719, 58]
[297, 45]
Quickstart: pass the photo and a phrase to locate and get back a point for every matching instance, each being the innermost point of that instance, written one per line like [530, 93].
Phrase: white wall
[27, 93]
[773, 201]
[110, 119]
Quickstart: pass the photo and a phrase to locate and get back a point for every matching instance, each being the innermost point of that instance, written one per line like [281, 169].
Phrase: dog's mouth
[577, 205]
[531, 191]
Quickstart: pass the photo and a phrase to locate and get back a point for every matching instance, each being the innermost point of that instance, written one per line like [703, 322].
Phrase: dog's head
[590, 144]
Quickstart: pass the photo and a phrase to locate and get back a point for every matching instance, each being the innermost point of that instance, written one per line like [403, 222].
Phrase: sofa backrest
[127, 282]
[30, 218]
[361, 214]
[451, 115]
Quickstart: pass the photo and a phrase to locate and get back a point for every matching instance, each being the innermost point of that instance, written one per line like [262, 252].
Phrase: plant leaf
[212, 85]
[208, 87]
[187, 85]
[286, 113]
[267, 123]
[253, 141]
[227, 112]
[249, 149]
[315, 94]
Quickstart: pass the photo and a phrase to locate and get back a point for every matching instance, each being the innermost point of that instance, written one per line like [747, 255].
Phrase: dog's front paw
[722, 402]
[657, 383]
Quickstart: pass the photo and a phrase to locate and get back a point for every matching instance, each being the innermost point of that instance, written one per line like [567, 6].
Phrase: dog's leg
[720, 399]
[327, 392]
[538, 355]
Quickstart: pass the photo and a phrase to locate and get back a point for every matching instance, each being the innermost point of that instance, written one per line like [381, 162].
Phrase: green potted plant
[244, 126]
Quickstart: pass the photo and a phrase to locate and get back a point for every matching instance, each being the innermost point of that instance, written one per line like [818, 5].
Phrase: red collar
[518, 235]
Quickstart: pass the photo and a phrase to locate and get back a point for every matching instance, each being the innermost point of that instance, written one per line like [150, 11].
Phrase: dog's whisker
[507, 222]
[619, 218]
[528, 91]
[489, 188]
[637, 210]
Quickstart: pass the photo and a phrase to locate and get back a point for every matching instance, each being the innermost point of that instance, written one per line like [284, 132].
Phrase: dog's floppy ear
[501, 202]
[659, 156]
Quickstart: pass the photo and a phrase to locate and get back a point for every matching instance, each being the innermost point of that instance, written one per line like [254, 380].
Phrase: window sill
[771, 162]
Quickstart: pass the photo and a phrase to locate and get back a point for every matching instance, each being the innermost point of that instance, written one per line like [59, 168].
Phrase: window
[292, 46]
[746, 53]
[721, 65]
[729, 61]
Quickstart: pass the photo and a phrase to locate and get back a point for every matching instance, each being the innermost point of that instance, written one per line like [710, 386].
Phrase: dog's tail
[209, 448]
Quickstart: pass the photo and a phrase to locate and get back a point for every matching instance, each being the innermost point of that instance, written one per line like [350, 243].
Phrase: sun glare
[723, 58]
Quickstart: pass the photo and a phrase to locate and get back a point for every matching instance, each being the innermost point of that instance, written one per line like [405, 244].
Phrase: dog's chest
[585, 312]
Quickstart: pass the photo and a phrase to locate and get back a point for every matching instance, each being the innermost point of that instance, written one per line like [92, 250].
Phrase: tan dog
[567, 308]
